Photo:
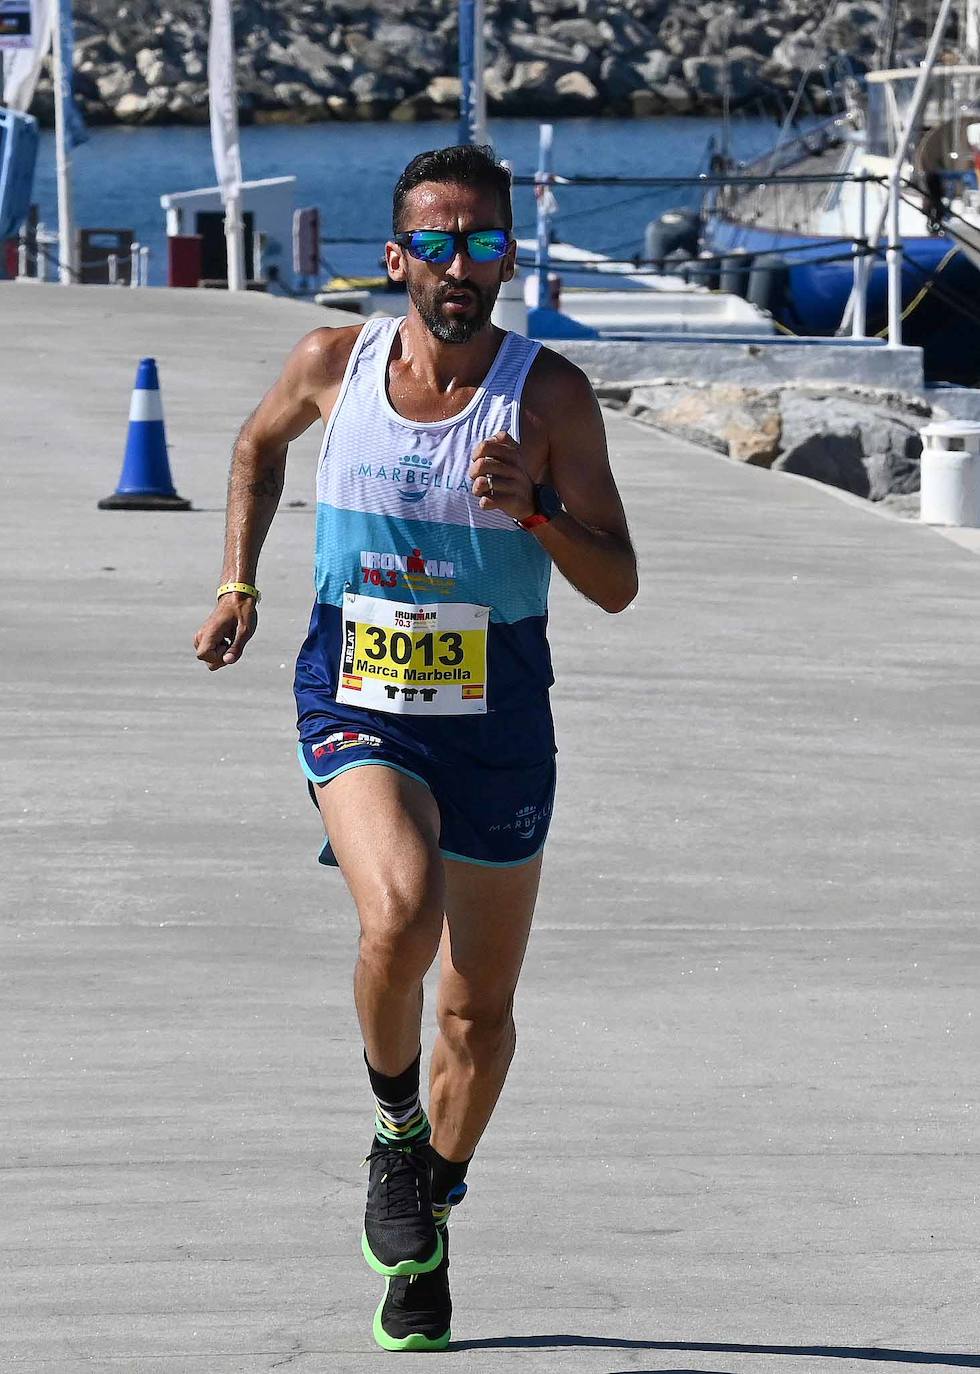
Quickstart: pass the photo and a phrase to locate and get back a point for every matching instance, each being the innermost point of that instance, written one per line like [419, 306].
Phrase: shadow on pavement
[830, 1352]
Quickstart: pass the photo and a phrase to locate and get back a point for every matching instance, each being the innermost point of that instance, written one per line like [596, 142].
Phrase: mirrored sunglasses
[441, 245]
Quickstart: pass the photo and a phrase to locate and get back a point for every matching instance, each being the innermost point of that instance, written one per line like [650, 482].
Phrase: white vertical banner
[21, 69]
[223, 96]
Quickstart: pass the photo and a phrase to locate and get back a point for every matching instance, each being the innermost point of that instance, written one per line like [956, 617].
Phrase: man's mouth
[461, 299]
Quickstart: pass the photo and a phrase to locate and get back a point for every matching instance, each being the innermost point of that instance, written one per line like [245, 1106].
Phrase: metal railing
[38, 255]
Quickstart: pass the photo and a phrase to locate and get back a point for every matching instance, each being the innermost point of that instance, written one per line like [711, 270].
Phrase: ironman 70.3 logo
[412, 570]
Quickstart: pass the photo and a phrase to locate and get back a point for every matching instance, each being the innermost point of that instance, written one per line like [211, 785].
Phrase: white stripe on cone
[146, 405]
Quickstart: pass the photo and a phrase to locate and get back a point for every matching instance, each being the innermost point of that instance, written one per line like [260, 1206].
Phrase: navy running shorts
[498, 817]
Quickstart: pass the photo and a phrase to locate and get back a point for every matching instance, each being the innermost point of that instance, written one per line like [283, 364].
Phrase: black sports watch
[547, 504]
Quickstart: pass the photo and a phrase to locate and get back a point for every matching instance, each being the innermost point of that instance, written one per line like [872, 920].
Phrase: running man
[458, 463]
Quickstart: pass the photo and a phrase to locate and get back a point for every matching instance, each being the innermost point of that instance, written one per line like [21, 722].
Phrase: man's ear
[395, 261]
[509, 263]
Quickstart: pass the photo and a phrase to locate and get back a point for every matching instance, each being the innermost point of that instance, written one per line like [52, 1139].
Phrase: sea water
[348, 171]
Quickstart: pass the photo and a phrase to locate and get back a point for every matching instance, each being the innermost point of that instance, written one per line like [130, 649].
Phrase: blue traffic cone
[145, 483]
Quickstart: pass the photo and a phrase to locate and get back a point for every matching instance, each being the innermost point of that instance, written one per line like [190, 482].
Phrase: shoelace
[401, 1181]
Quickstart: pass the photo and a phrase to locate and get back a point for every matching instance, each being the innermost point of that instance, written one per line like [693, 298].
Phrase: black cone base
[143, 500]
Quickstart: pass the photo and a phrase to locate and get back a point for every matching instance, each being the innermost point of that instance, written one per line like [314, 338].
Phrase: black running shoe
[400, 1236]
[415, 1312]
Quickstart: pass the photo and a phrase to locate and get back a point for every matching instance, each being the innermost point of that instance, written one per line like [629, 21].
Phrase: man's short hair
[464, 164]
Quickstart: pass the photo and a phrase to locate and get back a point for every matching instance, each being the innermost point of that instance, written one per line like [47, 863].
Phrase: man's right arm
[304, 392]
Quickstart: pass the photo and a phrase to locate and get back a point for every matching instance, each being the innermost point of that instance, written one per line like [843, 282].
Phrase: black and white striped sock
[398, 1115]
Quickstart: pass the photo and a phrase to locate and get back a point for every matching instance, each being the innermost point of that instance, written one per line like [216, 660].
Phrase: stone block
[741, 422]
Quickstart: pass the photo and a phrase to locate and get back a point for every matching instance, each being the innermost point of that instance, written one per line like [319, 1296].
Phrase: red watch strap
[533, 521]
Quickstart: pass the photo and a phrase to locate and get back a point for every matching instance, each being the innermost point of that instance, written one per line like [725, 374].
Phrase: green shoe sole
[403, 1268]
[416, 1341]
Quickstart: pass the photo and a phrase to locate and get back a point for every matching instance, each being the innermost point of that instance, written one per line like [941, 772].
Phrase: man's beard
[452, 329]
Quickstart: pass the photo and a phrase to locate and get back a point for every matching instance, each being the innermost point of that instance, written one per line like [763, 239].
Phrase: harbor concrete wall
[752, 362]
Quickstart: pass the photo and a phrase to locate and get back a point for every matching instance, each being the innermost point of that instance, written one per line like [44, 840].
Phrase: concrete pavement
[741, 1131]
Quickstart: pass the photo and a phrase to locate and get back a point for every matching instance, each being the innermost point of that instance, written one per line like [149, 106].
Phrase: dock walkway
[741, 1131]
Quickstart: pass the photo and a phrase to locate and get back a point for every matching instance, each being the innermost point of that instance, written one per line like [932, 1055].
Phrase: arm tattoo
[266, 485]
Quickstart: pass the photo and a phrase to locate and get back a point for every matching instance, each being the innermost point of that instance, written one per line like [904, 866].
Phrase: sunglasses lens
[428, 246]
[487, 245]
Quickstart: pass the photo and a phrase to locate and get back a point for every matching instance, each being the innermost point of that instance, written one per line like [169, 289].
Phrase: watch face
[547, 500]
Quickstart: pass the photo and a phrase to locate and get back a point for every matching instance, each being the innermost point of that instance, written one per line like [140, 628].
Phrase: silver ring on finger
[490, 486]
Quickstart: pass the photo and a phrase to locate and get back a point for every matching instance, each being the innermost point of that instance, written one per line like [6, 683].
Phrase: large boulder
[656, 67]
[580, 30]
[675, 95]
[114, 82]
[741, 422]
[628, 34]
[618, 79]
[866, 445]
[533, 47]
[303, 57]
[444, 92]
[707, 77]
[679, 36]
[577, 94]
[148, 108]
[414, 44]
[155, 68]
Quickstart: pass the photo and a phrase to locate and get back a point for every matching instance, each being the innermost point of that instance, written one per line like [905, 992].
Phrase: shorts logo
[525, 822]
[412, 570]
[344, 739]
[412, 476]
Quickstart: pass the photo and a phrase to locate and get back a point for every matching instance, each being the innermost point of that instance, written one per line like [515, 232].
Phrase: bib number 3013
[414, 660]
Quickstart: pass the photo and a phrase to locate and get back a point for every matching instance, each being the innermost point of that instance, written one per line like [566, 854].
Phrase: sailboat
[807, 236]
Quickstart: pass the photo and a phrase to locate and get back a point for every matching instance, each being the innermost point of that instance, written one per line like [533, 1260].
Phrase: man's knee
[479, 1030]
[400, 930]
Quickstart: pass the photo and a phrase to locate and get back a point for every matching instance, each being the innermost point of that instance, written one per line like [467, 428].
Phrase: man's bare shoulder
[321, 357]
[558, 397]
[554, 383]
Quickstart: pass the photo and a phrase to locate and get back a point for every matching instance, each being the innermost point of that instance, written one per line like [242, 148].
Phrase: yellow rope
[921, 294]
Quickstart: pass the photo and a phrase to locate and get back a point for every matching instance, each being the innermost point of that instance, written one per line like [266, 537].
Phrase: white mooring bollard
[950, 473]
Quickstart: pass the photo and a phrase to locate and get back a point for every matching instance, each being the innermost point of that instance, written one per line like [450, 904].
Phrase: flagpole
[235, 243]
[472, 97]
[67, 266]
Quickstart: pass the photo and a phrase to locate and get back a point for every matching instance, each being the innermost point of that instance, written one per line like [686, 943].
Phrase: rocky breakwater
[139, 63]
[862, 440]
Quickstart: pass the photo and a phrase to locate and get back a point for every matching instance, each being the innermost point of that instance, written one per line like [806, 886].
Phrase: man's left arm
[563, 436]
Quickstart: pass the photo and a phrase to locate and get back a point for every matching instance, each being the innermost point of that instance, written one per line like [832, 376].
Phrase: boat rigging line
[702, 179]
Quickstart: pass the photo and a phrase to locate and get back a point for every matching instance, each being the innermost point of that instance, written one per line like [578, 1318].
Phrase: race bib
[415, 660]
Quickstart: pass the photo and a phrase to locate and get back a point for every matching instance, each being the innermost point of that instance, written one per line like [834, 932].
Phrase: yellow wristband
[245, 588]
